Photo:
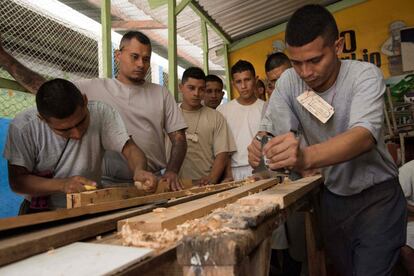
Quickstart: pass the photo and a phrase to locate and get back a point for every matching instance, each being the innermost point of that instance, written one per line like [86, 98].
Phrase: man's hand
[206, 180]
[147, 179]
[76, 184]
[172, 180]
[284, 151]
[254, 153]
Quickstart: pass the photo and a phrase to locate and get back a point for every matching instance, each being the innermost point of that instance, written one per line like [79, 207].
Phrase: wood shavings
[50, 251]
[159, 210]
[250, 201]
[98, 238]
[249, 179]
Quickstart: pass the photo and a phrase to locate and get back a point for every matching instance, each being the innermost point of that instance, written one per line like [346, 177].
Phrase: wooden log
[61, 214]
[171, 217]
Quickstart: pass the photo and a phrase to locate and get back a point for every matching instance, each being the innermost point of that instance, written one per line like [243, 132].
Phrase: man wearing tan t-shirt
[207, 133]
[147, 109]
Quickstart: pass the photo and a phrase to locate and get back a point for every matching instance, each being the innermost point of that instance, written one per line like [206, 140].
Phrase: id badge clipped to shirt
[317, 106]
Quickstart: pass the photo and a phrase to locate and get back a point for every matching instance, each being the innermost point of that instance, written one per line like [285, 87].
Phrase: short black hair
[214, 78]
[142, 38]
[309, 22]
[276, 60]
[241, 66]
[194, 73]
[58, 98]
[260, 83]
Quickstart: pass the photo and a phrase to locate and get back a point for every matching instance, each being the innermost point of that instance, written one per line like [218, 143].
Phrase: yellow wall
[370, 21]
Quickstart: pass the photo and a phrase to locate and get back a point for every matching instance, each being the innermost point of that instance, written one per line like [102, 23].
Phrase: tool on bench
[263, 171]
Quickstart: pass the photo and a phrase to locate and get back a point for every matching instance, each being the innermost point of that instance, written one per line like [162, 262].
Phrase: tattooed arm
[26, 77]
[178, 151]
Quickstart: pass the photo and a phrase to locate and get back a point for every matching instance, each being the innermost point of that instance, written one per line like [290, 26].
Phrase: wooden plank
[20, 246]
[25, 245]
[79, 258]
[60, 214]
[316, 257]
[285, 194]
[86, 198]
[171, 217]
[137, 25]
[75, 200]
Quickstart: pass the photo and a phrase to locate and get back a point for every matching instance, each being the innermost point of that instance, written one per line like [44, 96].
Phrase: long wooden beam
[61, 214]
[76, 200]
[14, 246]
[285, 194]
[171, 217]
[137, 25]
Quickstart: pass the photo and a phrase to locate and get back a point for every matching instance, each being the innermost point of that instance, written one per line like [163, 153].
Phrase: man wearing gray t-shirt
[148, 110]
[363, 208]
[57, 148]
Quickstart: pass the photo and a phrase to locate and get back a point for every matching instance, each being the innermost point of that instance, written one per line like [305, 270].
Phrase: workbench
[242, 249]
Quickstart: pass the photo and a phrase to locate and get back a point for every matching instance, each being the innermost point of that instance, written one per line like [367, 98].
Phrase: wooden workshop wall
[369, 20]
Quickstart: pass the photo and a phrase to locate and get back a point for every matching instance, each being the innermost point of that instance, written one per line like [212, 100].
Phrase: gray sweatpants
[363, 233]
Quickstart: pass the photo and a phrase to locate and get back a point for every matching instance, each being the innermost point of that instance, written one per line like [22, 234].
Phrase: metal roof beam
[106, 38]
[181, 6]
[205, 45]
[172, 49]
[205, 16]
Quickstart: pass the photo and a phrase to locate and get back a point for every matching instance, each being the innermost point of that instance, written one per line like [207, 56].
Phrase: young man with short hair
[212, 98]
[275, 65]
[363, 208]
[207, 134]
[243, 115]
[214, 91]
[57, 148]
[148, 110]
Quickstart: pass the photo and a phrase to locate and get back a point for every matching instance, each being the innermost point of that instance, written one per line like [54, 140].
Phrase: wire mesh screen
[45, 45]
[12, 102]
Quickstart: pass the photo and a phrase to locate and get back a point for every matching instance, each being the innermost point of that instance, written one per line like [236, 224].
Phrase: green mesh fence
[12, 102]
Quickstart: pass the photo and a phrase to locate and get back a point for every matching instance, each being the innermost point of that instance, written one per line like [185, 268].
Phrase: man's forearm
[135, 156]
[24, 76]
[178, 151]
[35, 185]
[338, 149]
[219, 166]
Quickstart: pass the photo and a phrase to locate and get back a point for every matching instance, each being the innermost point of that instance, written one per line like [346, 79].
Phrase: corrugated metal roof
[237, 19]
[242, 18]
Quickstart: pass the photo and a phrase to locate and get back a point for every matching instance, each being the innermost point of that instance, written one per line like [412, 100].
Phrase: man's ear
[41, 117]
[339, 46]
[180, 87]
[117, 56]
[85, 100]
